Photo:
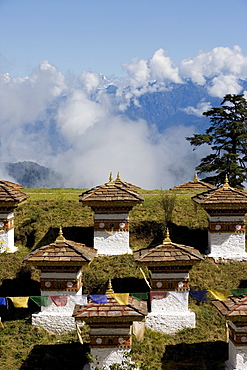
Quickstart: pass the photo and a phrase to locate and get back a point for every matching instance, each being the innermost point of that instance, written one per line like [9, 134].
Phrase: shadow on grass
[83, 235]
[195, 356]
[21, 286]
[196, 238]
[56, 357]
[129, 285]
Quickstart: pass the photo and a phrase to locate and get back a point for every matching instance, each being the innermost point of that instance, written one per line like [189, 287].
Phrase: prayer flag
[143, 296]
[200, 295]
[60, 300]
[40, 300]
[79, 299]
[19, 302]
[239, 291]
[180, 296]
[220, 294]
[99, 298]
[3, 301]
[121, 298]
[158, 295]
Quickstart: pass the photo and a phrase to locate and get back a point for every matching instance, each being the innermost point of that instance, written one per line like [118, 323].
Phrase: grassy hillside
[37, 221]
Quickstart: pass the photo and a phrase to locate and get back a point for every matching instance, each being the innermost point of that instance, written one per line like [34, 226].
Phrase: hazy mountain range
[82, 127]
[161, 110]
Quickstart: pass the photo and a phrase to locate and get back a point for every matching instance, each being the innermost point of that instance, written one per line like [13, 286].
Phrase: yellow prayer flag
[220, 294]
[19, 302]
[121, 298]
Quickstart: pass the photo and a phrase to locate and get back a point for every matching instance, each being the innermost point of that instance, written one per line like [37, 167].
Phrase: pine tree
[227, 137]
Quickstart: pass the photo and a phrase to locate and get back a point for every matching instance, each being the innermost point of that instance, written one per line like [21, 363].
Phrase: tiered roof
[234, 308]
[168, 253]
[61, 252]
[112, 194]
[111, 311]
[224, 197]
[10, 195]
[196, 184]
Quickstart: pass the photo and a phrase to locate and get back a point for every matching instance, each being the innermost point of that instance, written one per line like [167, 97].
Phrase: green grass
[37, 222]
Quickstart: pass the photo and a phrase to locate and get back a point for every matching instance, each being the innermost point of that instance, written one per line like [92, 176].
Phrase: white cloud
[201, 107]
[75, 127]
[227, 63]
[91, 81]
[161, 68]
[224, 84]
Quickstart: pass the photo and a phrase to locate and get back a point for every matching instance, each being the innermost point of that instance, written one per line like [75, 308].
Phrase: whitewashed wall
[108, 356]
[168, 315]
[237, 357]
[115, 244]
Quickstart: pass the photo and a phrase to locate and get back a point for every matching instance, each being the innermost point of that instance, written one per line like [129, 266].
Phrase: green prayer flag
[40, 300]
[238, 292]
[143, 296]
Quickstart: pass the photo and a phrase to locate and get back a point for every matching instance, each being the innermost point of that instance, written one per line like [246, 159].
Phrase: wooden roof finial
[109, 289]
[60, 238]
[226, 183]
[167, 238]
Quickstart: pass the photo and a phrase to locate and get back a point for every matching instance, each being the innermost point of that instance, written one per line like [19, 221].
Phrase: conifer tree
[227, 137]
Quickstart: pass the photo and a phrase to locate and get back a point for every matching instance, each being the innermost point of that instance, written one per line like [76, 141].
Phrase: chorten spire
[195, 177]
[109, 289]
[226, 184]
[60, 238]
[110, 179]
[167, 238]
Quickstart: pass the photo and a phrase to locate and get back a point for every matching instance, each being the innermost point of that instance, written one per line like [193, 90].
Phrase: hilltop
[37, 222]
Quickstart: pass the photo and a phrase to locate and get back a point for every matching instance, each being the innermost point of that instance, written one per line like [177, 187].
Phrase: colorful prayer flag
[200, 295]
[158, 295]
[238, 292]
[19, 302]
[99, 298]
[121, 298]
[220, 294]
[180, 296]
[143, 296]
[40, 300]
[59, 300]
[79, 299]
[3, 301]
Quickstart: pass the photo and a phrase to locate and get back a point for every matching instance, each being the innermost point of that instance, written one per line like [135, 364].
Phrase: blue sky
[98, 36]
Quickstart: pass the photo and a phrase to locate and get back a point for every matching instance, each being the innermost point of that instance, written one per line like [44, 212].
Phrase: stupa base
[170, 323]
[54, 323]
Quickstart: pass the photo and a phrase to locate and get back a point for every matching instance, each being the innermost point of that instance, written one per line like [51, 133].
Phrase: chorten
[61, 265]
[226, 208]
[110, 326]
[10, 198]
[169, 265]
[235, 312]
[111, 204]
[195, 184]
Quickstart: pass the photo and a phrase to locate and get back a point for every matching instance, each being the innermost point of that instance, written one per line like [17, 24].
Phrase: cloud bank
[72, 125]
